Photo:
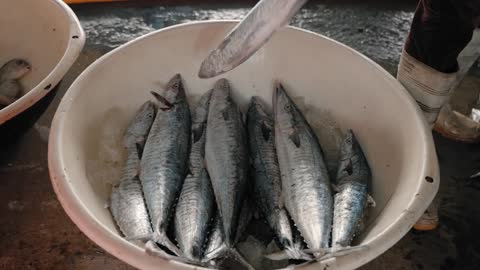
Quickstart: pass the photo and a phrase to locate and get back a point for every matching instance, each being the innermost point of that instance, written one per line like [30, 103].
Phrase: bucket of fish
[40, 42]
[308, 154]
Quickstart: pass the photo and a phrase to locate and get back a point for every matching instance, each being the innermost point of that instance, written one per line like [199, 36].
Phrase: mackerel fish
[164, 159]
[226, 157]
[196, 205]
[126, 201]
[351, 200]
[305, 181]
[267, 182]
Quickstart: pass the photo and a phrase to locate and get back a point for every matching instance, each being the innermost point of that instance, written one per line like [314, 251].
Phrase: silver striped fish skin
[139, 127]
[127, 204]
[196, 204]
[267, 182]
[194, 211]
[350, 201]
[249, 35]
[216, 247]
[215, 240]
[198, 137]
[126, 200]
[164, 159]
[226, 157]
[305, 180]
[10, 87]
[14, 69]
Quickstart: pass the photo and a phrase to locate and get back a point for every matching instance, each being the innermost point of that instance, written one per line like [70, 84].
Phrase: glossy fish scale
[215, 240]
[126, 202]
[249, 35]
[137, 131]
[353, 177]
[226, 157]
[164, 159]
[198, 137]
[196, 204]
[216, 246]
[267, 182]
[305, 181]
[193, 213]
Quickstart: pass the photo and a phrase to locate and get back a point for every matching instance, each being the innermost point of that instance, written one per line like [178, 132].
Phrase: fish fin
[197, 133]
[317, 254]
[153, 249]
[163, 240]
[278, 256]
[289, 253]
[162, 100]
[145, 237]
[216, 253]
[370, 201]
[225, 115]
[294, 137]
[266, 131]
[338, 252]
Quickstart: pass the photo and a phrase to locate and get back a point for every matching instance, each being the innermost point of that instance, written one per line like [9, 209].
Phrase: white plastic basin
[48, 35]
[359, 94]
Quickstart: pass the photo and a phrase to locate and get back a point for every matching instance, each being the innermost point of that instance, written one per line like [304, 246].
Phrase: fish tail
[290, 254]
[215, 253]
[310, 254]
[162, 239]
[153, 249]
[239, 258]
[145, 237]
[296, 253]
[226, 251]
[327, 253]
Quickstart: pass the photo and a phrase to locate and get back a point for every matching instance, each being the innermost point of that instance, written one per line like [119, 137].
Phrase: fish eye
[288, 107]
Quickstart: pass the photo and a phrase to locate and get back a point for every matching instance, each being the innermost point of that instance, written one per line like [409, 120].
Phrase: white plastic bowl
[358, 92]
[48, 35]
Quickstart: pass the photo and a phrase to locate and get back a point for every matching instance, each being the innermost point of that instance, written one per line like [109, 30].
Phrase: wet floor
[35, 233]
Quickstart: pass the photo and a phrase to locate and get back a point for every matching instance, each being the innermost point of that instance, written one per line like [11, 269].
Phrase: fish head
[352, 159]
[257, 116]
[249, 35]
[174, 91]
[285, 111]
[139, 128]
[221, 93]
[15, 69]
[201, 110]
[216, 63]
[257, 108]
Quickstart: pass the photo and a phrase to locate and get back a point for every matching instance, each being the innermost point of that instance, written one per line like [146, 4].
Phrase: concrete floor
[35, 233]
